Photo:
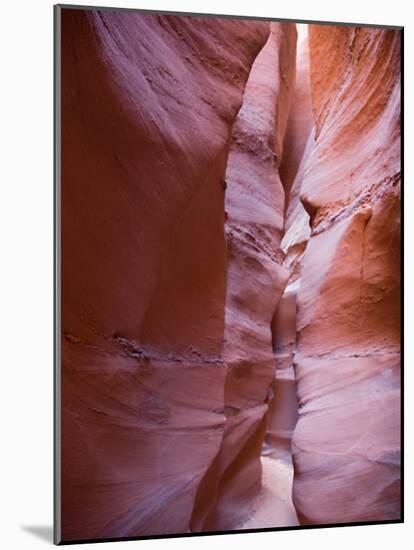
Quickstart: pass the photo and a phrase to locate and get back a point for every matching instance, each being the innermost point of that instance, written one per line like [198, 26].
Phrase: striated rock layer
[230, 265]
[297, 146]
[346, 443]
[254, 211]
[148, 104]
[300, 122]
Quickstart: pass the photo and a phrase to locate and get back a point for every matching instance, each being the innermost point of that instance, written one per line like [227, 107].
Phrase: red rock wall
[300, 122]
[346, 443]
[148, 105]
[254, 206]
[188, 154]
[297, 145]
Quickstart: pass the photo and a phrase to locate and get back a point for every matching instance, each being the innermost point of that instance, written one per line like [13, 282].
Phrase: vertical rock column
[256, 278]
[148, 106]
[298, 143]
[346, 443]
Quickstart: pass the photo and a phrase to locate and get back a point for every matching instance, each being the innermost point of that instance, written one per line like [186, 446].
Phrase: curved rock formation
[229, 231]
[284, 407]
[300, 121]
[297, 146]
[254, 207]
[147, 109]
[346, 443]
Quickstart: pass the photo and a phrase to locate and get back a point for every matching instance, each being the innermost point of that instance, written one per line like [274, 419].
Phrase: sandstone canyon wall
[230, 270]
[346, 443]
[298, 143]
[148, 104]
[256, 278]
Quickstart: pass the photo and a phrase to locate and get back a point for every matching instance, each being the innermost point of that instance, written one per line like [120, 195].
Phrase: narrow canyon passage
[273, 506]
[332, 427]
[230, 268]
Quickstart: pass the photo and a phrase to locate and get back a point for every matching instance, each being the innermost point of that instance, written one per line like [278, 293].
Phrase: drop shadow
[43, 532]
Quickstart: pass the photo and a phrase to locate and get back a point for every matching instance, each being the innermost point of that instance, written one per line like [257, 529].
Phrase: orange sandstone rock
[297, 146]
[256, 278]
[346, 444]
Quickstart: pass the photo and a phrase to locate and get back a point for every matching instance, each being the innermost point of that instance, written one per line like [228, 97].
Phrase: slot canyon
[230, 244]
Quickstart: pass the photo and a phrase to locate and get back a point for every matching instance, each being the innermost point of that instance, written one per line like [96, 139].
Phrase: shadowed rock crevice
[255, 279]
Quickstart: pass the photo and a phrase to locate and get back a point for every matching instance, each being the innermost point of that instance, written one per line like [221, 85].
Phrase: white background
[26, 299]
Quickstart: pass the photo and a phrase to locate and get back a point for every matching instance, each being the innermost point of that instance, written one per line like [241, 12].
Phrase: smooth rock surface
[147, 110]
[256, 278]
[230, 274]
[283, 410]
[300, 122]
[273, 506]
[298, 143]
[346, 443]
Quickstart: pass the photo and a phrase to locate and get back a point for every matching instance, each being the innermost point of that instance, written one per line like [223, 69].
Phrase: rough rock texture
[254, 206]
[147, 109]
[346, 443]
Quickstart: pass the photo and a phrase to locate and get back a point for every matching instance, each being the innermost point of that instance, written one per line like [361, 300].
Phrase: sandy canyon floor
[273, 507]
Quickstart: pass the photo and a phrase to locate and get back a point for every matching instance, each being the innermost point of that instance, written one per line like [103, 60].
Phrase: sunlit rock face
[148, 106]
[346, 444]
[256, 279]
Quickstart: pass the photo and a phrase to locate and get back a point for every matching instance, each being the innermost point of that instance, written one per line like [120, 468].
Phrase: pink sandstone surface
[148, 105]
[346, 443]
[230, 274]
[298, 142]
[255, 279]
